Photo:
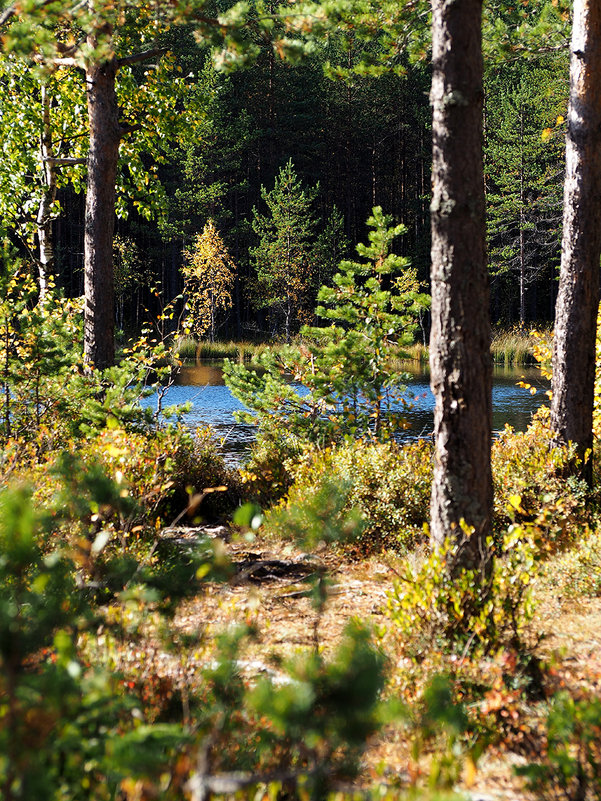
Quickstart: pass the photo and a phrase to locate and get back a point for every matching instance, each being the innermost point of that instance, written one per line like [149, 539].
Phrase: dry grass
[570, 645]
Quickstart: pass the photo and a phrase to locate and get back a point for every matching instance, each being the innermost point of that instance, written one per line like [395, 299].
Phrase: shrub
[267, 474]
[571, 769]
[577, 572]
[467, 610]
[388, 484]
[160, 470]
[530, 485]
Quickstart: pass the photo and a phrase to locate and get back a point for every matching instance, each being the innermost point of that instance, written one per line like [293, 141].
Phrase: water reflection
[212, 403]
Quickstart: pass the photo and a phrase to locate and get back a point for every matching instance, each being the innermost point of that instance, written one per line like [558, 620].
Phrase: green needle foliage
[348, 370]
[374, 306]
[285, 256]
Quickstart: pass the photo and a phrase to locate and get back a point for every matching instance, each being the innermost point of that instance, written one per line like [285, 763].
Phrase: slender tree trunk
[522, 224]
[578, 298]
[460, 361]
[105, 133]
[44, 217]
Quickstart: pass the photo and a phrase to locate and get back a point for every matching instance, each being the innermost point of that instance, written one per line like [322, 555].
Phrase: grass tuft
[512, 347]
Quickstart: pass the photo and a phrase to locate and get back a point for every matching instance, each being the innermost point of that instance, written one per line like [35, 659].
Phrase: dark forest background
[363, 141]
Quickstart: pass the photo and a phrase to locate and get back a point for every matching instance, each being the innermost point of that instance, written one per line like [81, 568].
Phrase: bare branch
[55, 62]
[64, 161]
[125, 129]
[136, 58]
[202, 786]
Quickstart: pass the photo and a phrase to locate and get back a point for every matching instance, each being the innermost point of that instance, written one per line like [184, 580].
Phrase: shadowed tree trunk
[105, 134]
[578, 298]
[460, 361]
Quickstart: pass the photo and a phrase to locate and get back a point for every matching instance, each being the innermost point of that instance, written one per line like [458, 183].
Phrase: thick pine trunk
[103, 117]
[460, 361]
[578, 298]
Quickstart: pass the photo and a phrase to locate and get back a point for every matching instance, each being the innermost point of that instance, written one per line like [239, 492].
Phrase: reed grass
[185, 348]
[512, 347]
[509, 347]
[188, 348]
[418, 352]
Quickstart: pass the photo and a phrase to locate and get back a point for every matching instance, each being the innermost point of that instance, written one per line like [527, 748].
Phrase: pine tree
[578, 299]
[348, 369]
[209, 277]
[523, 172]
[460, 363]
[373, 306]
[285, 256]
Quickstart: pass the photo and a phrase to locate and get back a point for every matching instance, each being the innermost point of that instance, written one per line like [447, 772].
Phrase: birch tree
[209, 274]
[98, 38]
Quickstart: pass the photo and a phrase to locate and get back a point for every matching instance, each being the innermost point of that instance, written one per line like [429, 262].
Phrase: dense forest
[211, 145]
[338, 188]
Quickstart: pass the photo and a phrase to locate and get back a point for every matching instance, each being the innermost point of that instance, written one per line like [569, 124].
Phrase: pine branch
[136, 58]
[65, 161]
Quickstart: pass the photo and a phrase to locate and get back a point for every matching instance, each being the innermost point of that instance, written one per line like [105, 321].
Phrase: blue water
[212, 404]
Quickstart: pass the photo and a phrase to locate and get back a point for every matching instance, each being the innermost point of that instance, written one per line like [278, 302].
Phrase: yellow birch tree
[209, 274]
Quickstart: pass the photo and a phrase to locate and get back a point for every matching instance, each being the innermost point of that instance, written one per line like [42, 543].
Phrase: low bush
[387, 483]
[530, 485]
[576, 572]
[159, 472]
[571, 767]
[469, 610]
[72, 727]
[267, 475]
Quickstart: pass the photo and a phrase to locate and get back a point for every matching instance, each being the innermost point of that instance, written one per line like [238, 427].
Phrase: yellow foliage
[208, 277]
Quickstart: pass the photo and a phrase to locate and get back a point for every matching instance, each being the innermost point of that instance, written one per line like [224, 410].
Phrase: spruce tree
[285, 257]
[523, 172]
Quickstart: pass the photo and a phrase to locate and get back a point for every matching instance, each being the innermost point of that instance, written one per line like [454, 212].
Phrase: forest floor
[269, 591]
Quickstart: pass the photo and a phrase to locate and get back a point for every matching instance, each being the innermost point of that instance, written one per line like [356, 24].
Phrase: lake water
[212, 404]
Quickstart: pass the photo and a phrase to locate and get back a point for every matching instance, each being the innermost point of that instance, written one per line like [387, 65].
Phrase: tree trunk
[522, 225]
[578, 298]
[460, 361]
[103, 117]
[44, 216]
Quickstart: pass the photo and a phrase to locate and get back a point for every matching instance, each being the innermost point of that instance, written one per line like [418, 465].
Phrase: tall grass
[189, 349]
[185, 348]
[512, 347]
[418, 352]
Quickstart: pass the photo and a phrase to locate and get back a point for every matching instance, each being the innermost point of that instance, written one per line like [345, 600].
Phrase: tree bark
[578, 298]
[45, 210]
[105, 134]
[460, 361]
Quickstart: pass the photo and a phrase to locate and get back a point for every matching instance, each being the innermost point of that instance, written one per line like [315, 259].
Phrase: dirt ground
[269, 590]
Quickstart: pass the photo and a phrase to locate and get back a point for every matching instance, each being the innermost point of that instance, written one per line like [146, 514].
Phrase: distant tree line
[354, 143]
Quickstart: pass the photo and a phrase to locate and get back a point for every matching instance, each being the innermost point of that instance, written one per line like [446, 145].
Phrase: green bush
[388, 484]
[435, 610]
[571, 768]
[160, 472]
[530, 485]
[267, 476]
[70, 727]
